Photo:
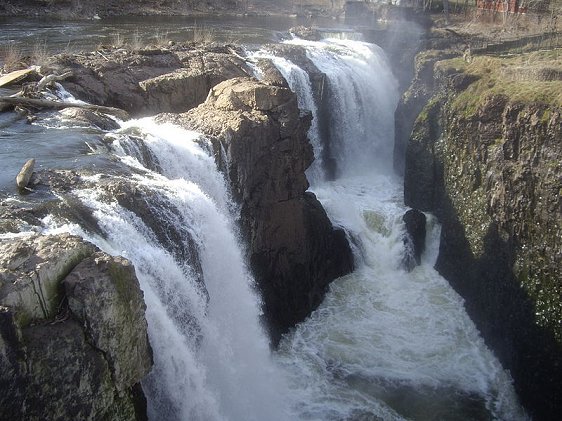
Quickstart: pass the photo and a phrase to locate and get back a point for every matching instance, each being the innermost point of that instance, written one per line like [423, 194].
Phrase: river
[386, 344]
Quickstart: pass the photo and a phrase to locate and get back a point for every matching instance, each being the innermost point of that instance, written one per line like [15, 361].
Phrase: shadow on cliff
[504, 313]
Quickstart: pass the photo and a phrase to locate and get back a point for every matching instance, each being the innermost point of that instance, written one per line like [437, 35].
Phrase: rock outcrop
[414, 239]
[73, 337]
[260, 142]
[485, 155]
[148, 81]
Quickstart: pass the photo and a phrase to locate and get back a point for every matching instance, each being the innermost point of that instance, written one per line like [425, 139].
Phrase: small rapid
[385, 343]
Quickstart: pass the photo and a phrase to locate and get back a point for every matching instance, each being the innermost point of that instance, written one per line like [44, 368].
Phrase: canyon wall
[485, 155]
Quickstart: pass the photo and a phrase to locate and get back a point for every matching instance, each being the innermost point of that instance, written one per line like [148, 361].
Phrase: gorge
[258, 204]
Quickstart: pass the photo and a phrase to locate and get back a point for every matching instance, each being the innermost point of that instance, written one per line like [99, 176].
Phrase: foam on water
[385, 343]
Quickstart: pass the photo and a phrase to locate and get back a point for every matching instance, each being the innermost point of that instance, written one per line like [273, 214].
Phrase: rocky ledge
[485, 155]
[73, 336]
[260, 142]
[149, 80]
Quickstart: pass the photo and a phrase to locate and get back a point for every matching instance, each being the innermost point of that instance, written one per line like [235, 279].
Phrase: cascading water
[212, 360]
[385, 344]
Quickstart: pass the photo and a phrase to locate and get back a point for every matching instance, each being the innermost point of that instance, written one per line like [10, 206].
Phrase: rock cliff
[485, 155]
[260, 142]
[73, 337]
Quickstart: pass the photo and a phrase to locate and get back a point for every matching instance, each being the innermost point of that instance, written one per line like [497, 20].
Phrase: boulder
[89, 118]
[103, 293]
[73, 337]
[414, 238]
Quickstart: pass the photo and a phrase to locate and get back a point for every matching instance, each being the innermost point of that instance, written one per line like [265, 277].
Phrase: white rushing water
[385, 344]
[212, 360]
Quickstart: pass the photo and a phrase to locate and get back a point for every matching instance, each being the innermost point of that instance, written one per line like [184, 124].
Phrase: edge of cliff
[484, 154]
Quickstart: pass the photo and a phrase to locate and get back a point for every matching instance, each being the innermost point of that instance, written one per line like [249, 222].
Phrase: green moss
[121, 276]
[545, 118]
[509, 76]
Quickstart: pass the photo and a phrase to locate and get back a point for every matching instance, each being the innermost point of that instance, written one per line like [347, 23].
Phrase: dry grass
[136, 41]
[528, 78]
[117, 40]
[203, 35]
[162, 39]
[11, 57]
[40, 54]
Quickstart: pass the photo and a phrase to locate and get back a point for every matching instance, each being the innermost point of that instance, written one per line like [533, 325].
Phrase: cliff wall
[261, 144]
[485, 155]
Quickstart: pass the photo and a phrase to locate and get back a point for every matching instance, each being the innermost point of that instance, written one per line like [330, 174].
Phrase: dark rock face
[73, 337]
[414, 240]
[492, 176]
[147, 82]
[260, 142]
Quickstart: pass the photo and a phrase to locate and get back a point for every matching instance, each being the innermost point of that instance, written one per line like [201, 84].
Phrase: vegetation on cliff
[485, 155]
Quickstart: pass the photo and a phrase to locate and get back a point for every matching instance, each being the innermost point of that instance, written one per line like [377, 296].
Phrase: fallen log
[50, 79]
[17, 76]
[45, 103]
[25, 173]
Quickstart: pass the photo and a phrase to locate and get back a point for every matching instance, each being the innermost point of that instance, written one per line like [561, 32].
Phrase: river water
[386, 344]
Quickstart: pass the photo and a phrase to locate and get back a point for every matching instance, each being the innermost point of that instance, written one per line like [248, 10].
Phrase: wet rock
[73, 338]
[414, 239]
[89, 118]
[25, 173]
[294, 251]
[306, 32]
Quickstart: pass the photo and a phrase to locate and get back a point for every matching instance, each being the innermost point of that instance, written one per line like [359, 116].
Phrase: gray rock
[89, 118]
[104, 295]
[73, 352]
[414, 239]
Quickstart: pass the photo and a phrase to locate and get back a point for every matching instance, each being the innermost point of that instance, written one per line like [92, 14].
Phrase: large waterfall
[385, 344]
[212, 359]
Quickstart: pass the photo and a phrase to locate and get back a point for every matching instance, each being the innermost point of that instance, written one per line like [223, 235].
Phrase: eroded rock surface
[148, 81]
[73, 337]
[486, 159]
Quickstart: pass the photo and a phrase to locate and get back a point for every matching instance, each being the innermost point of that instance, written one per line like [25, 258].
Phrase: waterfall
[211, 357]
[385, 343]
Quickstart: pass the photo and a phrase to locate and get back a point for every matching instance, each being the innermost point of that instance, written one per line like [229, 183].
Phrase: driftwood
[45, 103]
[50, 79]
[25, 174]
[16, 76]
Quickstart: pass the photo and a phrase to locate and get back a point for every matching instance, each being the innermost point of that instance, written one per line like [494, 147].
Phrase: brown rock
[294, 250]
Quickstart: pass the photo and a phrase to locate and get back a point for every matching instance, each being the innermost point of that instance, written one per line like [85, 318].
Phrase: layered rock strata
[259, 137]
[148, 81]
[485, 155]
